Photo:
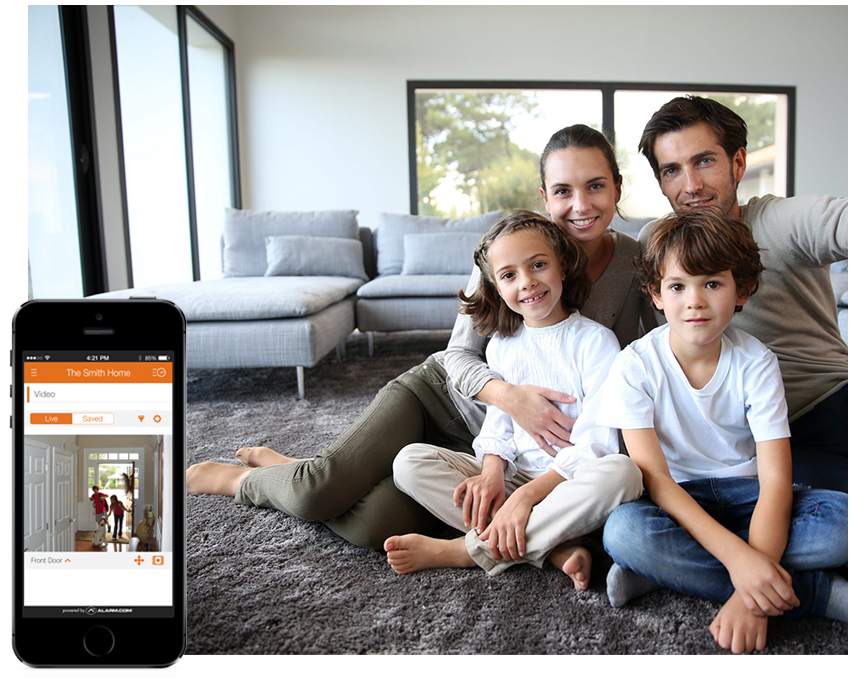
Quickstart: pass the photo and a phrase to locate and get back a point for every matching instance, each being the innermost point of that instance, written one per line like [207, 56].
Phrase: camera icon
[157, 560]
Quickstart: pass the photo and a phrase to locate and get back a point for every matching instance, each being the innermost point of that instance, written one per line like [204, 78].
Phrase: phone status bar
[98, 357]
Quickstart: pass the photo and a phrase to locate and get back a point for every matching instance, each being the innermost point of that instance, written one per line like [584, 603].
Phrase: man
[697, 150]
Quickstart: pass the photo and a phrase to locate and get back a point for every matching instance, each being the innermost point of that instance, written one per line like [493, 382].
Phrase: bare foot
[209, 477]
[414, 552]
[574, 560]
[261, 456]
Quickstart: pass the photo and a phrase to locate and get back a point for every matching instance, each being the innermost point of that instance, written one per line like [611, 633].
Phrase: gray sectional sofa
[421, 263]
[289, 295]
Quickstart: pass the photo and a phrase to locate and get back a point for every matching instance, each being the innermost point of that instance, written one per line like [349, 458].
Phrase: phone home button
[99, 641]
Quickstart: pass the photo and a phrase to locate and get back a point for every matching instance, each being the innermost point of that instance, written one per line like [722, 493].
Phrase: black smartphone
[99, 419]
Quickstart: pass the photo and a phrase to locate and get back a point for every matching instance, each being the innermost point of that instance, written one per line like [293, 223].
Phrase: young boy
[99, 502]
[702, 411]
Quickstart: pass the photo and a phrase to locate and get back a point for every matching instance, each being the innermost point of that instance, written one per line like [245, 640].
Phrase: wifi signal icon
[47, 357]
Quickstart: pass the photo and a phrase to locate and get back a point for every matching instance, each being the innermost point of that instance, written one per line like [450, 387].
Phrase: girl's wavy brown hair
[703, 242]
[485, 306]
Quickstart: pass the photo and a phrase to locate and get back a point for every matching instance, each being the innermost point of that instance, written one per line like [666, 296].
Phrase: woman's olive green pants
[349, 485]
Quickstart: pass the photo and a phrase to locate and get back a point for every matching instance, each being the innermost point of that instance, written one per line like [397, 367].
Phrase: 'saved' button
[93, 418]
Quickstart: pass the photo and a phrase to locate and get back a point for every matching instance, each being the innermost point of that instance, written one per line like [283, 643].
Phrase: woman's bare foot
[414, 552]
[261, 456]
[210, 477]
[574, 560]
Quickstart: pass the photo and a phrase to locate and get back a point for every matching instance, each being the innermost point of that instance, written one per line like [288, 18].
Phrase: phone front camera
[98, 316]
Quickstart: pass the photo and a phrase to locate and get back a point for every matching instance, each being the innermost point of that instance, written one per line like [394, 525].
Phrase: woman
[349, 484]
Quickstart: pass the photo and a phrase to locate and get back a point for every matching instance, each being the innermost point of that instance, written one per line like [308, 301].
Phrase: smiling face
[698, 308]
[695, 170]
[580, 192]
[528, 277]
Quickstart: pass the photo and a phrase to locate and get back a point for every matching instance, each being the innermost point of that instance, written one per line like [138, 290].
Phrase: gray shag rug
[261, 582]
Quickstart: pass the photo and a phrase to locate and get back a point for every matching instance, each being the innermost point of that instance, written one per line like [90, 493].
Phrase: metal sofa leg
[370, 344]
[343, 348]
[341, 351]
[300, 383]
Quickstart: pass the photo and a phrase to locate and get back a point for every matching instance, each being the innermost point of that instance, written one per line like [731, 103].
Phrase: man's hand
[505, 534]
[763, 585]
[532, 408]
[737, 629]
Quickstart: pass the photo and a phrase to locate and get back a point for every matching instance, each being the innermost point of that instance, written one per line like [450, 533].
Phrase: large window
[177, 117]
[63, 225]
[474, 147]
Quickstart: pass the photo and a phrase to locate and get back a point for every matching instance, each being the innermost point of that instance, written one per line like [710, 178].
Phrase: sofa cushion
[305, 255]
[413, 286]
[248, 298]
[439, 253]
[393, 228]
[245, 252]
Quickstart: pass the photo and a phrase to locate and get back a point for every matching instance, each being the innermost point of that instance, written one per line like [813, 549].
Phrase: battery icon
[162, 357]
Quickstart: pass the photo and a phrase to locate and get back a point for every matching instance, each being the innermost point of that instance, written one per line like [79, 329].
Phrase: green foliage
[104, 473]
[758, 114]
[509, 184]
[429, 176]
[468, 132]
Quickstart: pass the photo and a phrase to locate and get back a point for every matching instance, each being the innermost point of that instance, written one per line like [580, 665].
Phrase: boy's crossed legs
[650, 549]
[555, 527]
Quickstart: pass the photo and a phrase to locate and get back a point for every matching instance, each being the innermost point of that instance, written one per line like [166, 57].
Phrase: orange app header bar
[97, 373]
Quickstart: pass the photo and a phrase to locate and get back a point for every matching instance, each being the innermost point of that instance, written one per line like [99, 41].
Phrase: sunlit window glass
[153, 143]
[53, 231]
[210, 134]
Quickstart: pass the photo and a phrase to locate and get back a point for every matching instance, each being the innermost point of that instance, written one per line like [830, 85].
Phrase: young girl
[117, 509]
[533, 281]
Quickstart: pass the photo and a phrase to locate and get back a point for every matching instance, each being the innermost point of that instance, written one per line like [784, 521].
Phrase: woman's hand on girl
[532, 408]
[505, 534]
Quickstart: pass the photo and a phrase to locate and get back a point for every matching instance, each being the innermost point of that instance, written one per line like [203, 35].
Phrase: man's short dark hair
[684, 112]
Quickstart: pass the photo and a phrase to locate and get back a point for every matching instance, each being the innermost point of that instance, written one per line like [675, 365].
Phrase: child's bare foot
[414, 552]
[261, 456]
[209, 477]
[574, 560]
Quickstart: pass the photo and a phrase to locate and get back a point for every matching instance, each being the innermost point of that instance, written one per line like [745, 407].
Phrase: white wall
[322, 90]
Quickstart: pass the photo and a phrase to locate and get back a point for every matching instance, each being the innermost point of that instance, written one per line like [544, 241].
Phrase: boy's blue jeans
[644, 538]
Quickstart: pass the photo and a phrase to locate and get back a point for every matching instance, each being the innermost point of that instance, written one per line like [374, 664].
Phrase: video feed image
[97, 493]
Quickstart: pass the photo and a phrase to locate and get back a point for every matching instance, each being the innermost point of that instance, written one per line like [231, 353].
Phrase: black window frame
[183, 11]
[74, 29]
[608, 92]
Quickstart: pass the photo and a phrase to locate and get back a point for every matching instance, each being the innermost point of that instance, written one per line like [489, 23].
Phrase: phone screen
[98, 484]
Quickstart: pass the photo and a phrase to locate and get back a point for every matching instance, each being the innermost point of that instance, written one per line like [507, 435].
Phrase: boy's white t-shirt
[704, 433]
[574, 357]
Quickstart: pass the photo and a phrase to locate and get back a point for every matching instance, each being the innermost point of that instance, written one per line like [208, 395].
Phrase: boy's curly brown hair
[703, 242]
[488, 311]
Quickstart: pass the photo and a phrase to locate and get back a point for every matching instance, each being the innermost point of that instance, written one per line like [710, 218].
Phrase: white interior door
[36, 469]
[62, 500]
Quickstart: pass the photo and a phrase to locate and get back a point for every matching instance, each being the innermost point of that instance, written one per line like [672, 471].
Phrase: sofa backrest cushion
[307, 255]
[245, 252]
[393, 228]
[439, 253]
